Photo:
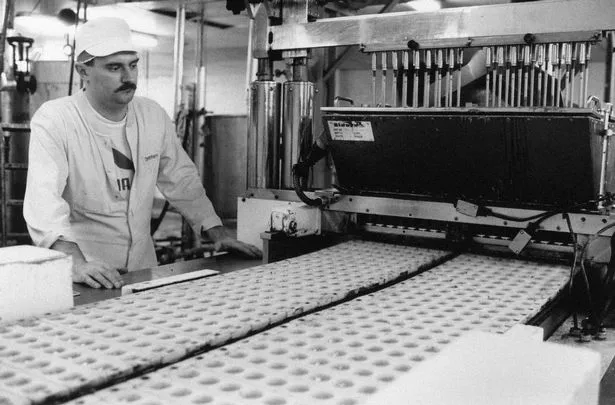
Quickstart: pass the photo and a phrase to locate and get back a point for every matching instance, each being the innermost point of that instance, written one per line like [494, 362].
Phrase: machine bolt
[412, 44]
[529, 38]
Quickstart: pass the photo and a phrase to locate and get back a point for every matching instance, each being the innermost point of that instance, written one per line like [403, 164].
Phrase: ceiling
[223, 29]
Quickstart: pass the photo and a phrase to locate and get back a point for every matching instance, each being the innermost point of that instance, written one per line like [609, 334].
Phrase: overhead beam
[548, 21]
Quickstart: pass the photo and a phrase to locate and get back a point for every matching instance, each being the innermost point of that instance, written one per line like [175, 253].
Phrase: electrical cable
[485, 211]
[593, 312]
[316, 202]
[575, 319]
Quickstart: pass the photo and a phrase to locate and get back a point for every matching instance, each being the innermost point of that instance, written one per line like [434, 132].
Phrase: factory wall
[225, 79]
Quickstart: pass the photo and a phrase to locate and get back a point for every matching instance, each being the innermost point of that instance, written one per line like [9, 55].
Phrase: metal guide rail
[43, 359]
[343, 354]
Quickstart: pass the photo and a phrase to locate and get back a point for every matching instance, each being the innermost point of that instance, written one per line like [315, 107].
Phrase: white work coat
[71, 191]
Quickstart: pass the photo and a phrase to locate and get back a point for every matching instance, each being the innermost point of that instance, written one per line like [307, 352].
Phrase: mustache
[126, 86]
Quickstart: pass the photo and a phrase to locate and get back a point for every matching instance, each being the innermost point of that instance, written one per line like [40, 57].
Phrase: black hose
[312, 202]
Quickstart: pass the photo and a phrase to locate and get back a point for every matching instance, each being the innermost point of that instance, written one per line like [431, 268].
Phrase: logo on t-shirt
[125, 163]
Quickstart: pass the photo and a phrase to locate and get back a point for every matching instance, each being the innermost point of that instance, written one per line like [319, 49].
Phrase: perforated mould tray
[343, 354]
[60, 355]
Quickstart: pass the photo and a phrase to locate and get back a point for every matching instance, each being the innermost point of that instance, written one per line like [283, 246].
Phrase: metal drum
[264, 135]
[297, 120]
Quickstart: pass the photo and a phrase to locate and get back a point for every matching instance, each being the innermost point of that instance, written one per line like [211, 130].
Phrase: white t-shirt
[115, 132]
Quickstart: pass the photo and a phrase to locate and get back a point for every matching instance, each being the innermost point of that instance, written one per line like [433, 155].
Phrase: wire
[544, 215]
[38, 3]
[316, 202]
[593, 311]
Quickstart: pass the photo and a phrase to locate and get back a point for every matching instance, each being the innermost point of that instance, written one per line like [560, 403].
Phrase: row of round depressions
[118, 336]
[343, 354]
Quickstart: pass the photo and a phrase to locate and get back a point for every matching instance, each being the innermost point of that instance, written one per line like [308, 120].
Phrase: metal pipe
[297, 117]
[527, 49]
[328, 72]
[460, 64]
[7, 8]
[394, 62]
[605, 149]
[178, 55]
[588, 53]
[573, 71]
[610, 67]
[251, 67]
[3, 190]
[374, 69]
[426, 78]
[383, 88]
[494, 75]
[500, 64]
[532, 73]
[449, 77]
[487, 51]
[404, 89]
[199, 96]
[416, 62]
[507, 77]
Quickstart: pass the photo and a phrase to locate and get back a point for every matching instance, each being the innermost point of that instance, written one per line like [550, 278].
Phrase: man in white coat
[95, 160]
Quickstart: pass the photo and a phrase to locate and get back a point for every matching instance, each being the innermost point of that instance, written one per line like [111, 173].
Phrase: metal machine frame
[291, 33]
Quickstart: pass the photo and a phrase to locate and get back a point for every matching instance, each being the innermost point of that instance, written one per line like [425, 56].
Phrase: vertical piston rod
[394, 62]
[426, 78]
[404, 87]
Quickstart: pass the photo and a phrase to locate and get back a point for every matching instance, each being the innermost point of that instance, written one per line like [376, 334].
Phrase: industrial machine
[480, 130]
[479, 163]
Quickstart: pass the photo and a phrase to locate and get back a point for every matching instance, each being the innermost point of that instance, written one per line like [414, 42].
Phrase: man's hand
[93, 273]
[223, 242]
[97, 274]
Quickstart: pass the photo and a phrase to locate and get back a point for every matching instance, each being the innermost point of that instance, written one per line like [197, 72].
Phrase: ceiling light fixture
[425, 5]
[41, 24]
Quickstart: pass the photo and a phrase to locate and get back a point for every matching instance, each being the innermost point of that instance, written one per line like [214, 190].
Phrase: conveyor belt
[343, 354]
[63, 354]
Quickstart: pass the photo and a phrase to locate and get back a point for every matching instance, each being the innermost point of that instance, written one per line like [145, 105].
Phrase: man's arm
[45, 210]
[223, 242]
[179, 181]
[93, 273]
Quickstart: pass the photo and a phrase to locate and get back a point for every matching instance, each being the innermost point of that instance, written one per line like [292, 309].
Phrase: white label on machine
[360, 131]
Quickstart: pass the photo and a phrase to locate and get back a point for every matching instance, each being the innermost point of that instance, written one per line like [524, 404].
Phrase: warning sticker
[360, 131]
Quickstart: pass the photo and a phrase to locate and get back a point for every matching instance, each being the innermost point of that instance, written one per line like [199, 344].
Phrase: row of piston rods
[539, 75]
[424, 72]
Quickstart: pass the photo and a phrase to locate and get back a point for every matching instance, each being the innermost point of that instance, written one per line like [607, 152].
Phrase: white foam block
[521, 331]
[33, 281]
[487, 369]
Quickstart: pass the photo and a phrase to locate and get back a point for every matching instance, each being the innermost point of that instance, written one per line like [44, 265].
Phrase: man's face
[112, 80]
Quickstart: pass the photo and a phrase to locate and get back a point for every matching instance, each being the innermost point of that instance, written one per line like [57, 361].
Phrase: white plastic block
[521, 331]
[33, 281]
[488, 369]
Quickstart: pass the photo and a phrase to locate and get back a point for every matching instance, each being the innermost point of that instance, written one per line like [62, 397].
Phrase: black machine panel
[537, 158]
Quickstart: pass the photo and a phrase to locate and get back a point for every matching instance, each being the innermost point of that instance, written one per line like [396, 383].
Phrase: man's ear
[82, 70]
